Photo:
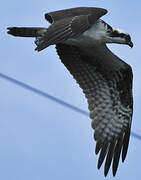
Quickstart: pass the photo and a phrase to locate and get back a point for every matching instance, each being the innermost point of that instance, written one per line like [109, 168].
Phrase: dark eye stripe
[115, 34]
[122, 35]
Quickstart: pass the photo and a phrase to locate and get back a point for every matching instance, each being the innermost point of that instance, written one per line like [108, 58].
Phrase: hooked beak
[130, 44]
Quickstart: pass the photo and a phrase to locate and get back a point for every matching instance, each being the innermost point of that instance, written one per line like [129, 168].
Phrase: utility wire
[57, 100]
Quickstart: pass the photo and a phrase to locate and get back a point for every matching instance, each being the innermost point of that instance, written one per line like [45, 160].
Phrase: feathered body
[80, 37]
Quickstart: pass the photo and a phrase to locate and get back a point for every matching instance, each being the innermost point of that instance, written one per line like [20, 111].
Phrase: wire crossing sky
[59, 101]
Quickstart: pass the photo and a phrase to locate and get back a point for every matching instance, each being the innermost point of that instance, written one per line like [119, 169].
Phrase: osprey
[80, 37]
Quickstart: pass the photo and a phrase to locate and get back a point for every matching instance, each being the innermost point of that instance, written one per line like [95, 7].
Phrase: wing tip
[49, 18]
[105, 11]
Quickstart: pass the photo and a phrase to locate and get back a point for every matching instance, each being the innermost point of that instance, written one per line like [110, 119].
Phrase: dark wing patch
[111, 113]
[67, 13]
[66, 24]
[62, 30]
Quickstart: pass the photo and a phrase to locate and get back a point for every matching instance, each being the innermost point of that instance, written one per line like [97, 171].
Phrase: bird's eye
[128, 38]
[122, 35]
[115, 34]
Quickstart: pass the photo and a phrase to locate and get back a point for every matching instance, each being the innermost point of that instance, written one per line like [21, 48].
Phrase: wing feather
[67, 13]
[117, 152]
[67, 24]
[125, 143]
[108, 89]
[109, 158]
[102, 154]
[64, 29]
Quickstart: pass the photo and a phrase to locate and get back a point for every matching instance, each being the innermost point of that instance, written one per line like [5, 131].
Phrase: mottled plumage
[109, 95]
[106, 80]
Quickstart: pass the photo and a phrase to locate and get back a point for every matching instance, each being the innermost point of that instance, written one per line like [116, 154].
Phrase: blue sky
[40, 139]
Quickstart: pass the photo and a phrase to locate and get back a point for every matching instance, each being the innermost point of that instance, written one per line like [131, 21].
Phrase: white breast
[97, 32]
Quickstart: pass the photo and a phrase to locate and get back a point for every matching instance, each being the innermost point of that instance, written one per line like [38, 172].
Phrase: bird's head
[116, 35]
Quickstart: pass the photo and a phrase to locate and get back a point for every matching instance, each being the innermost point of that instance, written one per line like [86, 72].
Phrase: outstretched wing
[70, 23]
[62, 14]
[107, 85]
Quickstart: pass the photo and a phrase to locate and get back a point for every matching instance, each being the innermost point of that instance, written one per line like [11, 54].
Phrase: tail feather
[26, 31]
[38, 33]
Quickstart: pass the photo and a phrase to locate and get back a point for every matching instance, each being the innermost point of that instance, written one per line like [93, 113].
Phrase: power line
[57, 100]
[41, 93]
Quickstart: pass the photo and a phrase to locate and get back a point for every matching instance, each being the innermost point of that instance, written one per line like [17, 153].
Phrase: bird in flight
[80, 37]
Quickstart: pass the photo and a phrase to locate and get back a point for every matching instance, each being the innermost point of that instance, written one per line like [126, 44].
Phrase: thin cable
[59, 101]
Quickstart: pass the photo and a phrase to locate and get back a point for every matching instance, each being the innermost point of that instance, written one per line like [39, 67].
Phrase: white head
[119, 36]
